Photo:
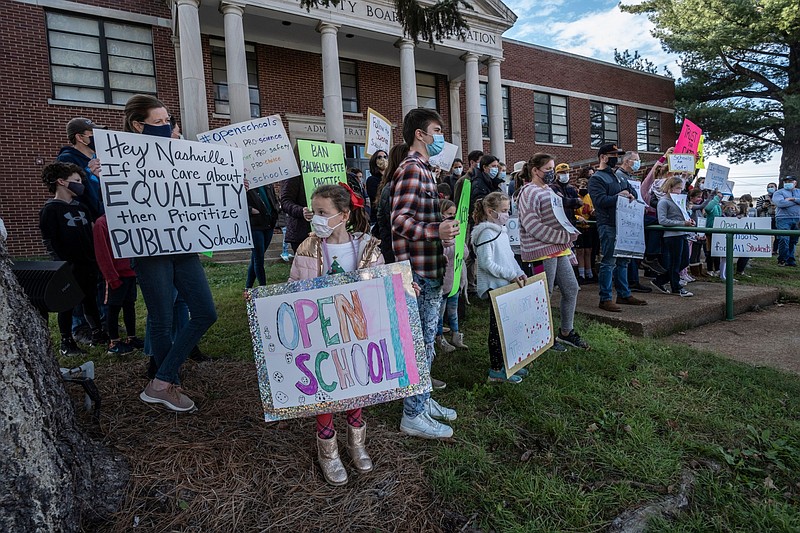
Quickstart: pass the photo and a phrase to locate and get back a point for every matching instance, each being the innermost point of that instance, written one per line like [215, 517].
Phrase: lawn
[586, 436]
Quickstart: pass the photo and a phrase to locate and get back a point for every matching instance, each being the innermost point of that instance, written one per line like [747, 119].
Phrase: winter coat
[482, 185]
[308, 260]
[383, 224]
[604, 187]
[267, 215]
[92, 196]
[293, 200]
[496, 264]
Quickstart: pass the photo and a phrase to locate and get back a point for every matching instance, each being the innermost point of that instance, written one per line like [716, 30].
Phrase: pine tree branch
[775, 90]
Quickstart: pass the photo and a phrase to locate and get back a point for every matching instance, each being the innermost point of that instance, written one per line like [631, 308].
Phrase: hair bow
[355, 198]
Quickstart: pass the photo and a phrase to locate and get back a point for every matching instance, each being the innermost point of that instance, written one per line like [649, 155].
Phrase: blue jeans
[158, 277]
[261, 240]
[785, 244]
[612, 269]
[449, 309]
[429, 301]
[180, 317]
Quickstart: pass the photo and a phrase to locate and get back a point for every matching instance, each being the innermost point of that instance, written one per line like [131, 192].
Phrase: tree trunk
[54, 477]
[790, 159]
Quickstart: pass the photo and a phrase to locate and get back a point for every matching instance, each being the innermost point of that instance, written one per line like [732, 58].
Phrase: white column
[408, 75]
[236, 62]
[176, 43]
[494, 99]
[473, 90]
[195, 116]
[331, 83]
[455, 113]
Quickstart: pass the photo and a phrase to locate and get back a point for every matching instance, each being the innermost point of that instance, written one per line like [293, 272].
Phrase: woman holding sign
[546, 236]
[341, 243]
[160, 275]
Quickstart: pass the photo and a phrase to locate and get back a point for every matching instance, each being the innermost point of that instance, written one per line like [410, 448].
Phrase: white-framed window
[648, 131]
[219, 76]
[426, 91]
[604, 126]
[349, 76]
[551, 118]
[99, 61]
[505, 92]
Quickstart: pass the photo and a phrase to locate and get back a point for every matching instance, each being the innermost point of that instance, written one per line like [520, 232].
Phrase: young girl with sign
[496, 268]
[675, 247]
[449, 308]
[340, 243]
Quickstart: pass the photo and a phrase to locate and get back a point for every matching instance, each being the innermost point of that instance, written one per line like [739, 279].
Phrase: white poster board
[637, 186]
[680, 200]
[445, 158]
[170, 196]
[743, 245]
[512, 226]
[680, 162]
[630, 229]
[558, 209]
[716, 176]
[525, 321]
[266, 149]
[379, 133]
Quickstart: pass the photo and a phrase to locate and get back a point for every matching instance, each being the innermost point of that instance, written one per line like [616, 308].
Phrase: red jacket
[112, 269]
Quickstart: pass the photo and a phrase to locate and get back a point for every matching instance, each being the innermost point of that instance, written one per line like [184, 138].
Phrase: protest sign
[462, 216]
[379, 133]
[681, 200]
[321, 163]
[558, 209]
[637, 186]
[630, 229]
[680, 162]
[524, 320]
[444, 159]
[512, 225]
[716, 175]
[701, 223]
[701, 163]
[170, 196]
[266, 149]
[689, 139]
[743, 245]
[727, 189]
[337, 342]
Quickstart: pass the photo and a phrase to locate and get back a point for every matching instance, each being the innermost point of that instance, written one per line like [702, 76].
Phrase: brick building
[215, 62]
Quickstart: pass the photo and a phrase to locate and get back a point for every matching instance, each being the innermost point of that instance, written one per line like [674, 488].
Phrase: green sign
[321, 163]
[462, 215]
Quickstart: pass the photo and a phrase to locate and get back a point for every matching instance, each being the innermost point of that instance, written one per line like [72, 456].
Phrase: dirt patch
[224, 469]
[767, 337]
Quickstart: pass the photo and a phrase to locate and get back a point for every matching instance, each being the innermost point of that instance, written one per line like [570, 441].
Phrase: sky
[593, 29]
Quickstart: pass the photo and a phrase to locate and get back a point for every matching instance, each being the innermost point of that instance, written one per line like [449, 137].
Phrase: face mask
[500, 218]
[563, 178]
[493, 172]
[381, 164]
[76, 187]
[503, 174]
[789, 185]
[158, 131]
[612, 162]
[457, 171]
[549, 176]
[320, 225]
[90, 144]
[636, 165]
[728, 213]
[770, 190]
[583, 192]
[436, 147]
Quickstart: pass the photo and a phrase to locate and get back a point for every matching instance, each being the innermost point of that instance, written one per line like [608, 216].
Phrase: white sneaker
[435, 410]
[424, 426]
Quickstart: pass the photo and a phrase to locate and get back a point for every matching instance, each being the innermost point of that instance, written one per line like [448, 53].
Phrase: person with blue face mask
[486, 180]
[787, 216]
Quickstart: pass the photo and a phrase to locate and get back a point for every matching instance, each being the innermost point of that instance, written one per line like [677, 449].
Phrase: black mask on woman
[549, 177]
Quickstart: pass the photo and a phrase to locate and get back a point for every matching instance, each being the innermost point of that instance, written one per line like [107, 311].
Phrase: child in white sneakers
[449, 309]
[496, 268]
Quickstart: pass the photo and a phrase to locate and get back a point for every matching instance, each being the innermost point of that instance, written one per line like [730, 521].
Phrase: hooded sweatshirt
[496, 264]
[91, 197]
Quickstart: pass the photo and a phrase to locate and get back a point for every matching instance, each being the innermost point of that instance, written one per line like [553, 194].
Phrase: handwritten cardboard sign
[525, 321]
[337, 342]
[637, 186]
[680, 162]
[321, 163]
[743, 245]
[689, 139]
[630, 229]
[445, 158]
[680, 200]
[266, 149]
[170, 196]
[716, 176]
[379, 133]
[462, 216]
[558, 209]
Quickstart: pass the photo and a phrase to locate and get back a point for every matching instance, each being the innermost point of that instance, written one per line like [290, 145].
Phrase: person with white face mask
[570, 198]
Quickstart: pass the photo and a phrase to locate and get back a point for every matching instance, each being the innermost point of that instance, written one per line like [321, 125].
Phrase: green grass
[765, 271]
[590, 434]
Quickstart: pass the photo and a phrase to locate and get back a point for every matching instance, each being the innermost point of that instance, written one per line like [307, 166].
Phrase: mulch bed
[223, 468]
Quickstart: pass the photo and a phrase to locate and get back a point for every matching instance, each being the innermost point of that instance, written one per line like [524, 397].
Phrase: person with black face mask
[605, 187]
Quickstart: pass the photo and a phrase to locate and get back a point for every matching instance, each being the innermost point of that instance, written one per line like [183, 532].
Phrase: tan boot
[458, 340]
[444, 346]
[329, 461]
[356, 437]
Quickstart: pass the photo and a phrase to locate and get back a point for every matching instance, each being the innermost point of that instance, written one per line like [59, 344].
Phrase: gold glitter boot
[329, 461]
[356, 437]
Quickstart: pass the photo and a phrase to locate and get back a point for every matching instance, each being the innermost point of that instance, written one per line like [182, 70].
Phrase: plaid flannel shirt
[416, 218]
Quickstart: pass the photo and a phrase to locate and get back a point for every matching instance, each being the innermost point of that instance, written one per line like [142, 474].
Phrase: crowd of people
[403, 211]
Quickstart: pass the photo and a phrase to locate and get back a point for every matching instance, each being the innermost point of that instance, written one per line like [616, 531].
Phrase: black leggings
[495, 348]
[86, 276]
[128, 316]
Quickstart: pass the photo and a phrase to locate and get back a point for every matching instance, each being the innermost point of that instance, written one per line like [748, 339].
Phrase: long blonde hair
[492, 201]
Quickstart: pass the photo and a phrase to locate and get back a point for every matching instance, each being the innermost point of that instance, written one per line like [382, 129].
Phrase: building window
[648, 131]
[603, 120]
[426, 91]
[219, 75]
[347, 70]
[504, 91]
[99, 61]
[550, 115]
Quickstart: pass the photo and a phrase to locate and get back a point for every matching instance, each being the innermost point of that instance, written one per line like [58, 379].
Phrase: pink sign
[689, 139]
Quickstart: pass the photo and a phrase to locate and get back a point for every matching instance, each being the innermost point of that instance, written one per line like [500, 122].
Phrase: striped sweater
[540, 232]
